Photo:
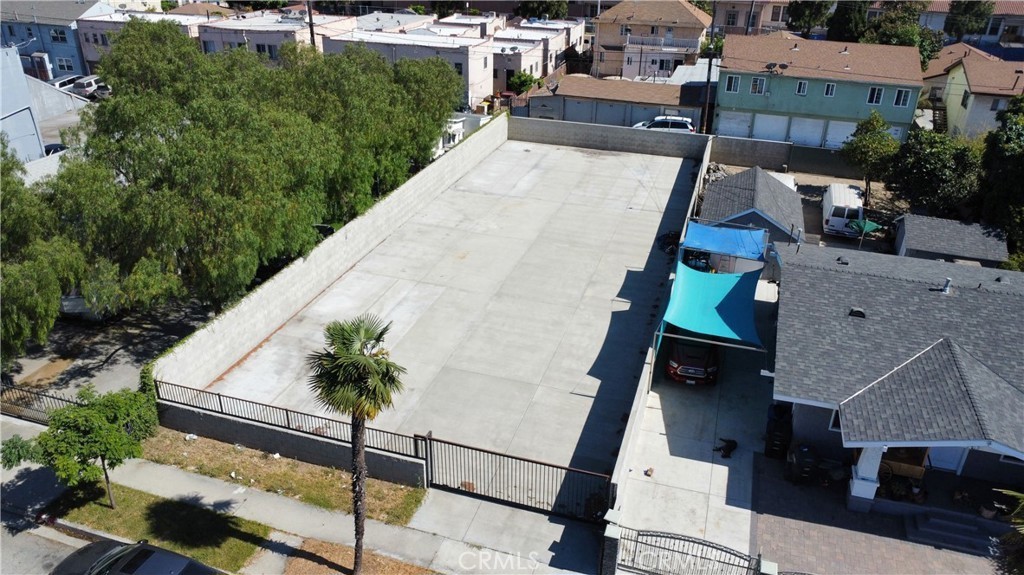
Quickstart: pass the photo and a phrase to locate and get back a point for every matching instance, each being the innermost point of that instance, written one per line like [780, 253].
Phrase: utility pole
[705, 120]
[750, 17]
[309, 12]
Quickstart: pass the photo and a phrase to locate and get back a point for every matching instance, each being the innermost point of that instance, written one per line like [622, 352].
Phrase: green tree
[521, 82]
[805, 15]
[712, 45]
[936, 172]
[1010, 560]
[849, 21]
[83, 442]
[445, 8]
[871, 149]
[1003, 203]
[418, 8]
[967, 17]
[168, 5]
[704, 5]
[354, 375]
[256, 5]
[554, 9]
[899, 26]
[433, 90]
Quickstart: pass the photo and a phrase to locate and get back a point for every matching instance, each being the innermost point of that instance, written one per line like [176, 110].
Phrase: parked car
[65, 82]
[51, 149]
[84, 87]
[693, 362]
[101, 92]
[116, 558]
[841, 204]
[668, 124]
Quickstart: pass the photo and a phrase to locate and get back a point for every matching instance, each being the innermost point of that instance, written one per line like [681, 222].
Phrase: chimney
[945, 288]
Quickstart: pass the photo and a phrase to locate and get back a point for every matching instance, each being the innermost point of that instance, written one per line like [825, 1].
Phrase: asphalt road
[26, 552]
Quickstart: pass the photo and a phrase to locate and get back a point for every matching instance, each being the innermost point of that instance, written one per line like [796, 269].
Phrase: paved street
[27, 551]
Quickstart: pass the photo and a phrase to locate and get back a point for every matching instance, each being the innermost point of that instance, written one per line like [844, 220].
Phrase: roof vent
[841, 260]
[945, 288]
[795, 48]
[857, 312]
[846, 51]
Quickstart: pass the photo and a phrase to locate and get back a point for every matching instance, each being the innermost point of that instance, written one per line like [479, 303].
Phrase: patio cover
[747, 243]
[717, 305]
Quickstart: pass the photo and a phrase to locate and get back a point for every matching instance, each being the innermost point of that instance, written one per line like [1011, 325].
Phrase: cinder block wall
[212, 350]
[611, 138]
[749, 153]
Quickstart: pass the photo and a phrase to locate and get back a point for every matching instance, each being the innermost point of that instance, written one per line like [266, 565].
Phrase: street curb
[68, 528]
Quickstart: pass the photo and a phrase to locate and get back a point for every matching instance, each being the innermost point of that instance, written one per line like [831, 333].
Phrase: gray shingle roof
[753, 189]
[825, 356]
[942, 394]
[953, 238]
[61, 12]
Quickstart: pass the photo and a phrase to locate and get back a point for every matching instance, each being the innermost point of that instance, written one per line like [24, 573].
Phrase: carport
[715, 282]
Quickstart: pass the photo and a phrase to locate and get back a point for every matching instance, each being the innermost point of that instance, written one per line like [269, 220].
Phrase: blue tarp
[742, 243]
[718, 305]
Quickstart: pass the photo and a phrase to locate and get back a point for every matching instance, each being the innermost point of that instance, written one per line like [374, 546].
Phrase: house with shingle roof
[1005, 26]
[813, 92]
[755, 198]
[888, 360]
[579, 98]
[976, 90]
[45, 34]
[648, 39]
[950, 240]
[936, 75]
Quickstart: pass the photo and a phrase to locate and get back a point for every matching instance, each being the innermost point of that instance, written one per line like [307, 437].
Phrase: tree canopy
[1003, 203]
[554, 9]
[899, 26]
[871, 149]
[805, 15]
[936, 172]
[967, 17]
[849, 21]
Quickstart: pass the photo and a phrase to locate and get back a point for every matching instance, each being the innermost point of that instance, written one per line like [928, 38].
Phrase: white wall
[48, 102]
[17, 119]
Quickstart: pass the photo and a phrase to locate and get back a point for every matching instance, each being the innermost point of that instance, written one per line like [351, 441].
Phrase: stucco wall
[821, 161]
[48, 102]
[749, 153]
[612, 138]
[212, 350]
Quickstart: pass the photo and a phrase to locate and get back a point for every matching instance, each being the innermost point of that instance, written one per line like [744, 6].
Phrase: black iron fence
[285, 418]
[31, 405]
[660, 553]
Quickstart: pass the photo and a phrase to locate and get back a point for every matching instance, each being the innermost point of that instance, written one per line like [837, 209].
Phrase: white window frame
[755, 81]
[735, 82]
[830, 90]
[834, 423]
[998, 104]
[873, 91]
[801, 87]
[58, 35]
[906, 98]
[622, 30]
[65, 64]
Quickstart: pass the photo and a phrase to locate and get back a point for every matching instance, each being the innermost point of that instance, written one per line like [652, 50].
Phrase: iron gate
[660, 553]
[31, 405]
[523, 482]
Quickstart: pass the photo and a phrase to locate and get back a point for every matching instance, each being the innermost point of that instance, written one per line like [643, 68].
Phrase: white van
[842, 203]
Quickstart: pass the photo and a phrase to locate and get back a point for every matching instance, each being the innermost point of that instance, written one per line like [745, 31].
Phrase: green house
[812, 92]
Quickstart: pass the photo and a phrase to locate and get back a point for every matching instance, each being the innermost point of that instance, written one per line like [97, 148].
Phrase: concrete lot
[522, 301]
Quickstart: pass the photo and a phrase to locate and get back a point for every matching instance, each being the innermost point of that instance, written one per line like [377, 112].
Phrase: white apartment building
[486, 24]
[265, 32]
[95, 32]
[384, 22]
[553, 43]
[511, 56]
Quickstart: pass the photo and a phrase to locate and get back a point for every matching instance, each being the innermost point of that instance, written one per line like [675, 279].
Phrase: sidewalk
[32, 489]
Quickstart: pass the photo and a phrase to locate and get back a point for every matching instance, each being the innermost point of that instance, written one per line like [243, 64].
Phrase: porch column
[865, 479]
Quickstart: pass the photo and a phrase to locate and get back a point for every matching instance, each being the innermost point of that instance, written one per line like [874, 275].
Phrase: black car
[694, 363]
[116, 558]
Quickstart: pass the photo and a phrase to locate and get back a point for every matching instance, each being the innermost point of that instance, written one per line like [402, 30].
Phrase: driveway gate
[659, 553]
[508, 479]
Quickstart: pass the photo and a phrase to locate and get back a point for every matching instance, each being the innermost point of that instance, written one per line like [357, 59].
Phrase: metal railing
[656, 42]
[31, 405]
[659, 553]
[284, 418]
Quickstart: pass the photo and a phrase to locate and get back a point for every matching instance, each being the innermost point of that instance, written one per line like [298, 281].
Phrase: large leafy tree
[936, 172]
[354, 375]
[1004, 174]
[967, 17]
[871, 149]
[899, 26]
[83, 442]
[805, 15]
[849, 21]
[555, 9]
[435, 89]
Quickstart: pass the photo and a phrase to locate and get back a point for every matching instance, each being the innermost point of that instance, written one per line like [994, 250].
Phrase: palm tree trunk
[358, 488]
[106, 477]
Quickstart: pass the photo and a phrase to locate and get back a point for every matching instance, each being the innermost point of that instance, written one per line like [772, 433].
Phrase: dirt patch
[319, 557]
[47, 374]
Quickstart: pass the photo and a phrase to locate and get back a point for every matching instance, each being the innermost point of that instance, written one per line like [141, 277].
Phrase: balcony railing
[655, 42]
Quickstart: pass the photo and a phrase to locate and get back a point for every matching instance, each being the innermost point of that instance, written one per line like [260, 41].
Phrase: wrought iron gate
[660, 553]
[522, 482]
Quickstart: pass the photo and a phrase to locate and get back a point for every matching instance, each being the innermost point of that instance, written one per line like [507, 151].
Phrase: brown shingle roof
[619, 90]
[656, 13]
[951, 55]
[1001, 8]
[994, 78]
[868, 63]
[201, 9]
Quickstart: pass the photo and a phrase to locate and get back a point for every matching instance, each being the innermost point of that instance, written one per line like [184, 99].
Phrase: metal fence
[31, 405]
[523, 482]
[660, 553]
[285, 418]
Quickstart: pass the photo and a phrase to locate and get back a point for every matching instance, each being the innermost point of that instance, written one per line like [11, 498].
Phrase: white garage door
[837, 133]
[769, 127]
[734, 124]
[806, 131]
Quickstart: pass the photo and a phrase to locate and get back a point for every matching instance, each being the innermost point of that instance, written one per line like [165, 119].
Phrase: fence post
[288, 418]
[430, 458]
[220, 402]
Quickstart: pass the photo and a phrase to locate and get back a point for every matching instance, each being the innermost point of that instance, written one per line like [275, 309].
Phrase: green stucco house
[812, 92]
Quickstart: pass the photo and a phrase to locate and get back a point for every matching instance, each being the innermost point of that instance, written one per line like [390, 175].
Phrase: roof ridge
[958, 362]
[905, 279]
[893, 370]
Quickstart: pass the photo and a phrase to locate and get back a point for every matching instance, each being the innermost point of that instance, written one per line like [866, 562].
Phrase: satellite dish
[122, 6]
[770, 65]
[783, 66]
[502, 50]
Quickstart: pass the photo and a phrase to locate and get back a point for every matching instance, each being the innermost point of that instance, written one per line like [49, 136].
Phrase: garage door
[769, 127]
[734, 124]
[806, 131]
[837, 133]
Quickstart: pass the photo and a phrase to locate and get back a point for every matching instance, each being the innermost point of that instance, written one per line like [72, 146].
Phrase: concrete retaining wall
[290, 444]
[611, 138]
[821, 161]
[749, 153]
[211, 351]
[49, 102]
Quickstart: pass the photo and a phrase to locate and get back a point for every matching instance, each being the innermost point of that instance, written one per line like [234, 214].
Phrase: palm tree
[354, 375]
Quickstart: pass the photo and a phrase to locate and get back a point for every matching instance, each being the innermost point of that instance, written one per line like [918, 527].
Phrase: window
[600, 57]
[752, 19]
[830, 90]
[65, 65]
[730, 18]
[875, 95]
[623, 30]
[495, 73]
[780, 13]
[993, 26]
[485, 63]
[272, 51]
[665, 65]
[835, 424]
[732, 84]
[31, 34]
[801, 88]
[966, 99]
[10, 30]
[998, 104]
[629, 60]
[57, 35]
[902, 98]
[654, 30]
[95, 38]
[104, 40]
[458, 68]
[261, 48]
[1011, 460]
[757, 86]
[209, 47]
